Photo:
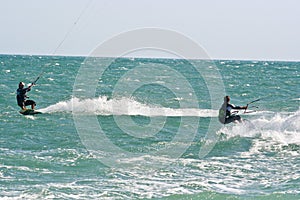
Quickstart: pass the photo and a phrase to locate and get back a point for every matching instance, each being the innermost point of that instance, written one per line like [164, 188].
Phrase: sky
[225, 29]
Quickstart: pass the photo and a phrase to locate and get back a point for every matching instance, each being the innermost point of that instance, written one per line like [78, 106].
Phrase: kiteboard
[29, 112]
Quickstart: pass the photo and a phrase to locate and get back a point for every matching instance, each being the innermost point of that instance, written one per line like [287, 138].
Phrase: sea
[147, 128]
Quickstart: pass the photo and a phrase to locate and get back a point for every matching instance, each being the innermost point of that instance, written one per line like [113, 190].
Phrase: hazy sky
[226, 29]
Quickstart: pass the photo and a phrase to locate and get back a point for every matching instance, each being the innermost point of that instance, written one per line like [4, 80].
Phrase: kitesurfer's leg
[233, 118]
[22, 105]
[237, 118]
[30, 102]
[229, 120]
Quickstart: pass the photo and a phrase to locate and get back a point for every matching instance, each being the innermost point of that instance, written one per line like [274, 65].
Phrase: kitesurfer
[21, 96]
[225, 114]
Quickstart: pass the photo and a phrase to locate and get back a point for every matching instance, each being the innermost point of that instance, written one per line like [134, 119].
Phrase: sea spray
[123, 106]
[271, 133]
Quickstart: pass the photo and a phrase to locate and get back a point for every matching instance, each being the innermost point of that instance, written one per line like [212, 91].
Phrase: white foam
[280, 131]
[30, 117]
[271, 132]
[123, 106]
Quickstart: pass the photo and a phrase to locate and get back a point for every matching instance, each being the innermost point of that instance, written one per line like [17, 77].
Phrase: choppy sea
[140, 128]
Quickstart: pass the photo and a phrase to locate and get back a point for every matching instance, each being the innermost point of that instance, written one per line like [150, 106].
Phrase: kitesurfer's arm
[239, 107]
[29, 87]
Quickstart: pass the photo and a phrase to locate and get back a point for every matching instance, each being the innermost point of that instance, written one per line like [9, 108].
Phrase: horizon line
[153, 57]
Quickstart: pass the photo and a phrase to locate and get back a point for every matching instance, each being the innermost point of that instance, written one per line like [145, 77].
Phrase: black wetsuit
[21, 98]
[225, 116]
[229, 117]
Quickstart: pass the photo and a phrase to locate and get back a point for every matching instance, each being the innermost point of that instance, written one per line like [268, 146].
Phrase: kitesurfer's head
[21, 85]
[226, 99]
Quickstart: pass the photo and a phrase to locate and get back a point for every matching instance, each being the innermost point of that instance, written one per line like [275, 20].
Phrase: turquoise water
[143, 108]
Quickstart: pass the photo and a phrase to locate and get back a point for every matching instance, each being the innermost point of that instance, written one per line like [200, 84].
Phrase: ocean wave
[279, 133]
